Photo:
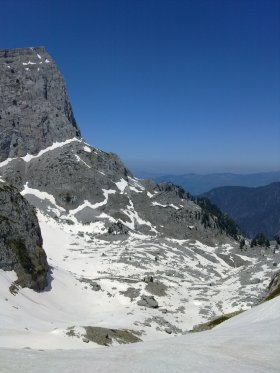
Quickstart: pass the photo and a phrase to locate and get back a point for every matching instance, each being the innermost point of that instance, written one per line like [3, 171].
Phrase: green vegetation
[30, 267]
[260, 240]
[275, 285]
[223, 222]
[274, 294]
[211, 324]
[242, 244]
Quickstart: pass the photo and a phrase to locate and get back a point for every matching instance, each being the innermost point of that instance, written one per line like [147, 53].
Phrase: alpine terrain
[114, 259]
[255, 210]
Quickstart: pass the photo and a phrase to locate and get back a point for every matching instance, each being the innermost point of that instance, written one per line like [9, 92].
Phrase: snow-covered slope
[247, 343]
[95, 282]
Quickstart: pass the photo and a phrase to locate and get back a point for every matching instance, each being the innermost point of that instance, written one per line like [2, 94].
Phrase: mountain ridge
[255, 210]
[198, 184]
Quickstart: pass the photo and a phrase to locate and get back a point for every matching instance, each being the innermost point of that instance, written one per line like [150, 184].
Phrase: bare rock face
[34, 108]
[21, 240]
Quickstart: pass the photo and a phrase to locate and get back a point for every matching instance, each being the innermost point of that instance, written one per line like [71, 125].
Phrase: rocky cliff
[34, 107]
[20, 240]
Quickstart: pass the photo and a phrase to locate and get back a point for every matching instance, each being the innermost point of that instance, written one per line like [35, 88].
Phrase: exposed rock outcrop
[21, 241]
[34, 107]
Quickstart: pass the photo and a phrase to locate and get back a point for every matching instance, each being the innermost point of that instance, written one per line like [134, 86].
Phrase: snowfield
[247, 343]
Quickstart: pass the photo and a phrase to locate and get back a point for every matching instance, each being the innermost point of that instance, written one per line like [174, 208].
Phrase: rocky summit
[129, 259]
[34, 107]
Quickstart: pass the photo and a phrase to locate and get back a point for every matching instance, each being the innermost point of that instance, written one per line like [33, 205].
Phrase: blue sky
[172, 86]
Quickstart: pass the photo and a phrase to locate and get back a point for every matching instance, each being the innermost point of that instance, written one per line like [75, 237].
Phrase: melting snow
[93, 206]
[28, 157]
[121, 185]
[161, 205]
[87, 149]
[41, 195]
[80, 160]
[29, 63]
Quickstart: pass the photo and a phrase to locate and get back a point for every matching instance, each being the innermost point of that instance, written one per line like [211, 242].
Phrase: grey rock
[118, 228]
[34, 107]
[156, 288]
[148, 279]
[21, 241]
[105, 336]
[147, 301]
[131, 293]
[95, 286]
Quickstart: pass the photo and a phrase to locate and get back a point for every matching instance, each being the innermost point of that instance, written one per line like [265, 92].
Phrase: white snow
[121, 185]
[161, 205]
[38, 55]
[87, 149]
[29, 63]
[248, 343]
[135, 218]
[135, 190]
[95, 205]
[41, 195]
[28, 157]
[47, 61]
[79, 159]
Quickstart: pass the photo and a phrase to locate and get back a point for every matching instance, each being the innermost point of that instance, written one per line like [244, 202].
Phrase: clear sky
[172, 86]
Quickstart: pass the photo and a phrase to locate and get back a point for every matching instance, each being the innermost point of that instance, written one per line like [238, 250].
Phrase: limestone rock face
[21, 240]
[34, 108]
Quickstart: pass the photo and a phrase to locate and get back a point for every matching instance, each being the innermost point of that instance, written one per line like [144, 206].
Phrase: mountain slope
[253, 209]
[199, 184]
[247, 343]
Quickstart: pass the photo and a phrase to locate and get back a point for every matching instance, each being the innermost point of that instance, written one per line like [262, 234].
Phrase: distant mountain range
[253, 209]
[197, 184]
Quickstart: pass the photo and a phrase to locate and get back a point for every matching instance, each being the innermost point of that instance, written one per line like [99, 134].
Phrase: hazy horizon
[171, 168]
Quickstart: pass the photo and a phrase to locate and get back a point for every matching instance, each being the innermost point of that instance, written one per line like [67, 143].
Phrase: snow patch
[87, 149]
[80, 160]
[93, 206]
[169, 205]
[41, 195]
[121, 185]
[29, 157]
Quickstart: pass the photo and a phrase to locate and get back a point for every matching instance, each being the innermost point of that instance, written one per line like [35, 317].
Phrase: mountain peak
[35, 109]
